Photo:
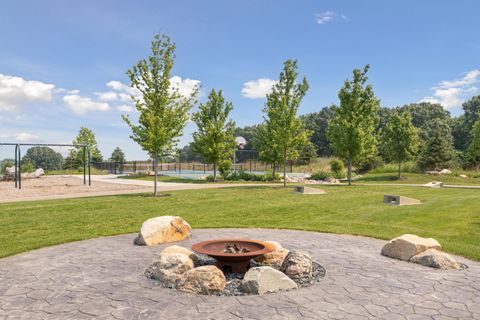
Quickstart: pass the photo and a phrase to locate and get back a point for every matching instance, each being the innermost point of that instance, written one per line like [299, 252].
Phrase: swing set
[18, 159]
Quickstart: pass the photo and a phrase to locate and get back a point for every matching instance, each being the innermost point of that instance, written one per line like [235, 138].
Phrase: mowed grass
[420, 178]
[452, 216]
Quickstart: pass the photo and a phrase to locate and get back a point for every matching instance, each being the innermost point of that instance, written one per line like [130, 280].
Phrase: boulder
[463, 176]
[275, 258]
[408, 245]
[169, 268]
[202, 280]
[178, 249]
[261, 280]
[297, 265]
[435, 259]
[162, 230]
[445, 171]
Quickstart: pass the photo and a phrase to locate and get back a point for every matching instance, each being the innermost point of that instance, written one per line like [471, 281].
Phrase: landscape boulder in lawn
[203, 280]
[435, 259]
[162, 230]
[408, 245]
[275, 258]
[261, 280]
[297, 265]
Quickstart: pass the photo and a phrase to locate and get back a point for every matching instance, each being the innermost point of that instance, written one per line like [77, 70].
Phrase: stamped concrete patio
[103, 279]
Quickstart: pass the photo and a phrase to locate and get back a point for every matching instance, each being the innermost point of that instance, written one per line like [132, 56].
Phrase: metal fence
[195, 167]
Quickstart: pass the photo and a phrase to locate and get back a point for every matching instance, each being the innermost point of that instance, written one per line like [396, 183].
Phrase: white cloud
[125, 108]
[81, 105]
[452, 93]
[185, 86]
[328, 16]
[16, 91]
[107, 96]
[21, 136]
[255, 89]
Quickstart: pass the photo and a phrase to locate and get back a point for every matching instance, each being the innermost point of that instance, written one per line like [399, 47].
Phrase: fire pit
[233, 253]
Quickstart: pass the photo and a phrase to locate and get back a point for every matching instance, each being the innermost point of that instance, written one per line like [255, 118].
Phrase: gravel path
[103, 279]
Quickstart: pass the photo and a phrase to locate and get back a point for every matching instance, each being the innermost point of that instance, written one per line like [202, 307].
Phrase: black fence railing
[194, 167]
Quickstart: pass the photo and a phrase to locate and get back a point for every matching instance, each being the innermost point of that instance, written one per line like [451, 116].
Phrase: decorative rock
[169, 268]
[445, 171]
[297, 265]
[463, 176]
[408, 245]
[178, 249]
[261, 280]
[275, 258]
[162, 230]
[435, 259]
[203, 280]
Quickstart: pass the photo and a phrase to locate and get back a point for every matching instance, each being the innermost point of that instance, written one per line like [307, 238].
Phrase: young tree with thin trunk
[283, 131]
[399, 138]
[76, 157]
[163, 110]
[118, 155]
[215, 137]
[351, 131]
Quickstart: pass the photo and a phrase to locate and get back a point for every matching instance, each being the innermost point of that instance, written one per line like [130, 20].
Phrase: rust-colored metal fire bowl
[233, 253]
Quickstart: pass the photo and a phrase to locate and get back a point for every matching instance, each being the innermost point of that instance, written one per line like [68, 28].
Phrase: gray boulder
[261, 280]
[297, 265]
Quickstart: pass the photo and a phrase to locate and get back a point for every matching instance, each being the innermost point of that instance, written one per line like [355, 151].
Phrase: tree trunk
[214, 171]
[274, 168]
[349, 164]
[285, 168]
[155, 171]
[399, 168]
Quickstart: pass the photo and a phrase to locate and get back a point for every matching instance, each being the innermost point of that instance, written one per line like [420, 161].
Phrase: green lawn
[417, 178]
[165, 179]
[450, 215]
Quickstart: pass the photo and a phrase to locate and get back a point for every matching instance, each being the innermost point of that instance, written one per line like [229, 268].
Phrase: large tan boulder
[261, 280]
[408, 245]
[297, 265]
[203, 280]
[169, 268]
[162, 230]
[179, 250]
[436, 259]
[275, 258]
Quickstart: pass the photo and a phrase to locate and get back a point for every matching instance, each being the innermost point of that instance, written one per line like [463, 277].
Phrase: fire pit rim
[199, 248]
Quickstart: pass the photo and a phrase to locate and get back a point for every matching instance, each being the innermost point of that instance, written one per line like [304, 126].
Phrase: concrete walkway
[103, 279]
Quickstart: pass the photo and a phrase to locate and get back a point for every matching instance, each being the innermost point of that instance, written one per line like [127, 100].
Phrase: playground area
[54, 187]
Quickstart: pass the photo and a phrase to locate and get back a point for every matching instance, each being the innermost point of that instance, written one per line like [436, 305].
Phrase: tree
[437, 149]
[215, 139]
[76, 157]
[163, 110]
[351, 130]
[463, 129]
[284, 132]
[44, 157]
[250, 133]
[317, 123]
[473, 153]
[399, 138]
[117, 155]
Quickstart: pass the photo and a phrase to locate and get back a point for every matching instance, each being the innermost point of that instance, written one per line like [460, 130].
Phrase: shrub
[225, 167]
[338, 168]
[5, 164]
[246, 176]
[209, 178]
[370, 164]
[27, 167]
[320, 175]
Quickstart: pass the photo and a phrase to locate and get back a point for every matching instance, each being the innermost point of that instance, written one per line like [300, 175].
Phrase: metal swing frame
[18, 159]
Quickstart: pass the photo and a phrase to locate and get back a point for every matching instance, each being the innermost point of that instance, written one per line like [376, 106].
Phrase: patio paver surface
[103, 279]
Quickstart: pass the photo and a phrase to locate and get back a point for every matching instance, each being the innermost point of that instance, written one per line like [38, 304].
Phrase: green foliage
[399, 139]
[317, 124]
[246, 176]
[117, 155]
[283, 134]
[351, 130]
[44, 157]
[163, 110]
[307, 153]
[464, 124]
[338, 168]
[408, 166]
[214, 138]
[75, 158]
[6, 163]
[225, 167]
[321, 175]
[473, 153]
[437, 149]
[27, 166]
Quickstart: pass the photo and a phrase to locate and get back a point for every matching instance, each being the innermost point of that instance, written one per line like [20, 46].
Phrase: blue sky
[63, 63]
